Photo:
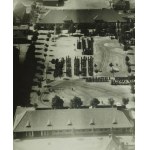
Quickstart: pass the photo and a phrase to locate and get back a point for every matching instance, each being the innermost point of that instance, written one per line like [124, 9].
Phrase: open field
[109, 51]
[86, 91]
[74, 143]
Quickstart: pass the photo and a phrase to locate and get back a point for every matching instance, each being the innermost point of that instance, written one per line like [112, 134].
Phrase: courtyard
[106, 51]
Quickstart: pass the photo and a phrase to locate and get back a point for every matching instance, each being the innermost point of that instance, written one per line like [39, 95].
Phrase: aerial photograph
[73, 74]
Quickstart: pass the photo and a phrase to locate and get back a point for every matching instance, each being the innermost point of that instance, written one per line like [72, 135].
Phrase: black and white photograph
[74, 74]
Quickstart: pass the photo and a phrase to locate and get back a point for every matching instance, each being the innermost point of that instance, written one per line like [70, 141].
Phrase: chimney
[92, 122]
[69, 123]
[28, 125]
[49, 123]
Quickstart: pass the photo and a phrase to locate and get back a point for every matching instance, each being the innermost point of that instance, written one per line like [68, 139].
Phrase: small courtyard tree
[94, 102]
[111, 101]
[57, 102]
[112, 69]
[125, 101]
[76, 102]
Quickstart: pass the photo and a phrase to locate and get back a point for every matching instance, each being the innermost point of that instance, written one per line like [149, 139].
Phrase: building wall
[73, 132]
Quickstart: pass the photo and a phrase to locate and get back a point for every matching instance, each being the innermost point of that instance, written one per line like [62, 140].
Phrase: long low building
[72, 122]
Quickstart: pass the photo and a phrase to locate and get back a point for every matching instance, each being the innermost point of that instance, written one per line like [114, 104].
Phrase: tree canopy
[125, 101]
[111, 101]
[132, 88]
[94, 102]
[111, 65]
[57, 102]
[76, 102]
[127, 58]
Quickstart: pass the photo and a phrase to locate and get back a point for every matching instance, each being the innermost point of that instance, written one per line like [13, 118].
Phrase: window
[46, 133]
[29, 134]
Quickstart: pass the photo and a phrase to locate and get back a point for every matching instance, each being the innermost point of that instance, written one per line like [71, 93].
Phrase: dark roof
[81, 16]
[110, 15]
[78, 118]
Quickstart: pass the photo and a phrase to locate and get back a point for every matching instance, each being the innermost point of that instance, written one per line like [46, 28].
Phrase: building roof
[72, 118]
[80, 16]
[19, 10]
[110, 15]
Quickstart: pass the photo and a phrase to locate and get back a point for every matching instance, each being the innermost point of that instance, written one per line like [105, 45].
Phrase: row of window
[67, 131]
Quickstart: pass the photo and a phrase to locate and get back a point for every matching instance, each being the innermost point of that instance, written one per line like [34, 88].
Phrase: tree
[58, 30]
[53, 61]
[57, 102]
[129, 69]
[133, 99]
[95, 65]
[39, 92]
[34, 38]
[127, 58]
[76, 102]
[112, 69]
[45, 50]
[131, 77]
[111, 65]
[35, 105]
[132, 88]
[45, 56]
[94, 102]
[128, 63]
[49, 35]
[125, 101]
[111, 101]
[72, 29]
[96, 70]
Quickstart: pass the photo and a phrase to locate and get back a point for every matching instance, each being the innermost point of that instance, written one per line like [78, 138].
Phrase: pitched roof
[110, 15]
[81, 16]
[19, 10]
[79, 118]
